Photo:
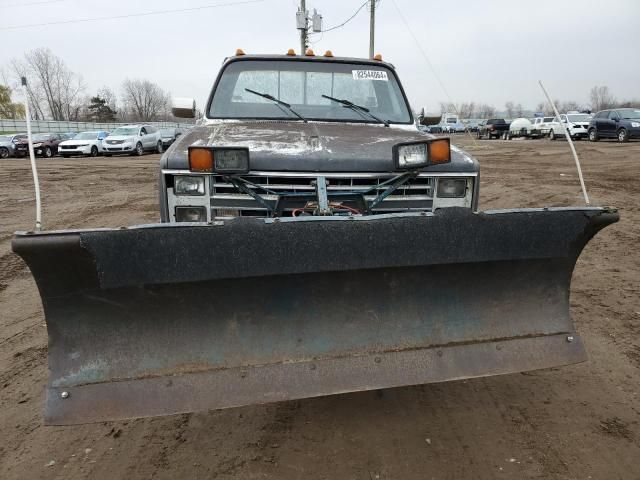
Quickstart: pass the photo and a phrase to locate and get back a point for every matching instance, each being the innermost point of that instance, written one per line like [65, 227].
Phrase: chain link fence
[50, 126]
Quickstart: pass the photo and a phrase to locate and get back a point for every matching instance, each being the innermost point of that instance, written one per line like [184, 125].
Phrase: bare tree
[486, 111]
[51, 86]
[601, 98]
[518, 110]
[144, 100]
[509, 108]
[109, 97]
[568, 106]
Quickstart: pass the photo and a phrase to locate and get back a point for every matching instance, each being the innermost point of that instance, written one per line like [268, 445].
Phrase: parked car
[576, 123]
[44, 145]
[169, 135]
[621, 123]
[133, 140]
[8, 144]
[85, 143]
[68, 135]
[542, 124]
[493, 128]
[472, 126]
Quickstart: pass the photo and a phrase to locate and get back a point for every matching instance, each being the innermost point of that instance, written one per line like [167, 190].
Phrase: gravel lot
[577, 422]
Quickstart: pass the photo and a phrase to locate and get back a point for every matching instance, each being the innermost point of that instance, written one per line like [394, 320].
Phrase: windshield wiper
[277, 102]
[357, 108]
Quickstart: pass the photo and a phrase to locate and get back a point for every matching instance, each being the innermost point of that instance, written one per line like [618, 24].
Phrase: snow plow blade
[172, 318]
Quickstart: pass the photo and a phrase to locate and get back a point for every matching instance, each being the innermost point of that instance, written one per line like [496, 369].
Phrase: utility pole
[372, 29]
[303, 26]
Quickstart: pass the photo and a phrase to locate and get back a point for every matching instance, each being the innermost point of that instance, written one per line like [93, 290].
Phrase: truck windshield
[302, 84]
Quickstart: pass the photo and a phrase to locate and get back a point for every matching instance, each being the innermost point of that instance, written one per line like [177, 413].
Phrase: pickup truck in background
[542, 124]
[493, 128]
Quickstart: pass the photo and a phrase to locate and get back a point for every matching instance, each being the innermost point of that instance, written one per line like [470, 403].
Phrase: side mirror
[183, 107]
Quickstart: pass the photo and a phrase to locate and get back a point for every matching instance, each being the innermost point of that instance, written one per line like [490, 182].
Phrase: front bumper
[634, 132]
[118, 148]
[77, 150]
[578, 133]
[23, 152]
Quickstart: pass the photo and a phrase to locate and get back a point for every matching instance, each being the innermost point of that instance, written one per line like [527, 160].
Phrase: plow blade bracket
[172, 318]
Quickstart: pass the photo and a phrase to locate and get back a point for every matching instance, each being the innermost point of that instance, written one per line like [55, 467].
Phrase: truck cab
[289, 135]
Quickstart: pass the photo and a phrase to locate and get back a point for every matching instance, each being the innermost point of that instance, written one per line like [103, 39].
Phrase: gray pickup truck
[313, 242]
[291, 120]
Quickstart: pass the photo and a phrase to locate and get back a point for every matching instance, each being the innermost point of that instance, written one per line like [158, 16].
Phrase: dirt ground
[578, 422]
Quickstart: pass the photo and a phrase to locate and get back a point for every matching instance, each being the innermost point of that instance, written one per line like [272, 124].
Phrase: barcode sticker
[370, 75]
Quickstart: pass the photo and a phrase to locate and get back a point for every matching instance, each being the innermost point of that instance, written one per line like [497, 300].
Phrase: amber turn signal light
[200, 159]
[440, 150]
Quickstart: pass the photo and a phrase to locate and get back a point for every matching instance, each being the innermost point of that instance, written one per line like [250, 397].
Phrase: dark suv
[620, 123]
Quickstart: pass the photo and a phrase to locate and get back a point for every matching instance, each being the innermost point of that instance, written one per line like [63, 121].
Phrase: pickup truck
[285, 120]
[493, 128]
[542, 124]
[362, 261]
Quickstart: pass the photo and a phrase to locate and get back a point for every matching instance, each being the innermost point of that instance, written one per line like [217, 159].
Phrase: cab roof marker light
[291, 52]
[310, 53]
[328, 53]
[239, 52]
[378, 57]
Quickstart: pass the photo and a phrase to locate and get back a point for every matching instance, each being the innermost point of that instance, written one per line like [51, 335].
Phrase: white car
[85, 143]
[133, 140]
[576, 123]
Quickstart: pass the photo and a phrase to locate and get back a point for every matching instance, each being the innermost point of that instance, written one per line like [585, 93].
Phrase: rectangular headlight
[186, 185]
[191, 214]
[452, 187]
[219, 159]
[231, 160]
[412, 155]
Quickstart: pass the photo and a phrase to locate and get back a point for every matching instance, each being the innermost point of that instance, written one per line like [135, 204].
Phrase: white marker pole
[573, 148]
[32, 156]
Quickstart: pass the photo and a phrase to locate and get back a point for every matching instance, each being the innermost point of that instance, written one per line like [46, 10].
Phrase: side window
[613, 115]
[151, 129]
[604, 114]
[143, 131]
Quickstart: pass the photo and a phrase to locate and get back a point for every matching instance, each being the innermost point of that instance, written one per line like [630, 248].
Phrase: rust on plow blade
[162, 319]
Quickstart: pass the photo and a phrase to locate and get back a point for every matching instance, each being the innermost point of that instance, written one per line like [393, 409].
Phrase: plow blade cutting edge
[163, 319]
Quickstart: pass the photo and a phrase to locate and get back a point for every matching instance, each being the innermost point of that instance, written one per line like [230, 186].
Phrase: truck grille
[416, 194]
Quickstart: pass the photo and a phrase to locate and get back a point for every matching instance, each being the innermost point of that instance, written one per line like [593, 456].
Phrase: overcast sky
[483, 50]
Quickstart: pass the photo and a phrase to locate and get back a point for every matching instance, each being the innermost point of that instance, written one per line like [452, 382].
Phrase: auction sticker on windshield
[370, 75]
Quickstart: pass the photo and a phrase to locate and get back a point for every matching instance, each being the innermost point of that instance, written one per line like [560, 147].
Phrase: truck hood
[310, 147]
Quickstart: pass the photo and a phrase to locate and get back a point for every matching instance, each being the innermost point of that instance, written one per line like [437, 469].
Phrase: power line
[426, 57]
[347, 20]
[44, 2]
[144, 14]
